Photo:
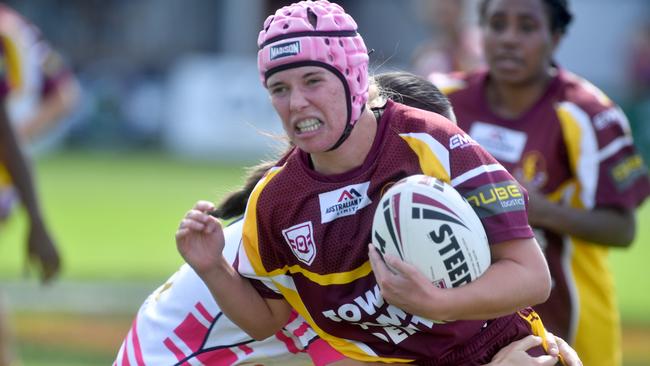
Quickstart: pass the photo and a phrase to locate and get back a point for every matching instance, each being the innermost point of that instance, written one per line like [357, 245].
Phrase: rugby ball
[426, 222]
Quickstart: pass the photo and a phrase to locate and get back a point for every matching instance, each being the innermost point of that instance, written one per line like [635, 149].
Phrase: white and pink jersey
[181, 324]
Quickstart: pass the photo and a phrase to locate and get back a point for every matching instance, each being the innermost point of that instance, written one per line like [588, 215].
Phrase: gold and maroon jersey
[306, 235]
[575, 146]
[34, 69]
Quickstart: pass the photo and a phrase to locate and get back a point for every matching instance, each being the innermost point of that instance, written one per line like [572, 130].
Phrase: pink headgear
[317, 33]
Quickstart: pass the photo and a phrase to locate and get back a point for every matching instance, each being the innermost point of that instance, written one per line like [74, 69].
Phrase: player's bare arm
[487, 297]
[606, 226]
[200, 241]
[41, 249]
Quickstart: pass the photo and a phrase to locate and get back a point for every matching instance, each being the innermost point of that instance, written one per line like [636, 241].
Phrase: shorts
[496, 334]
[479, 350]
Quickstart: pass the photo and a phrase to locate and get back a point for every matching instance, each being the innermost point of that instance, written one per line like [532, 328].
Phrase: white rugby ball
[426, 222]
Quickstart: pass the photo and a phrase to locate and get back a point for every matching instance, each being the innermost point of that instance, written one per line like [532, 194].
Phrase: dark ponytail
[234, 204]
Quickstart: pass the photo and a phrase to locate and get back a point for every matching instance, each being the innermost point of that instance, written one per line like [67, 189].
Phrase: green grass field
[114, 217]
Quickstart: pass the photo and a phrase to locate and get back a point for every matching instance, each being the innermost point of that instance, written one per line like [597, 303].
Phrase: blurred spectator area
[181, 74]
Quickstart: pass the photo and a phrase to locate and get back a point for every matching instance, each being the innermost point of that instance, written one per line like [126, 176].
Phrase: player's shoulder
[580, 93]
[279, 179]
[271, 175]
[456, 82]
[410, 120]
[12, 24]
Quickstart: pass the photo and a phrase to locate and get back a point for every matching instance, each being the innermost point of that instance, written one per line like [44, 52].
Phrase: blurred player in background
[454, 44]
[571, 146]
[43, 89]
[160, 333]
[41, 250]
[36, 91]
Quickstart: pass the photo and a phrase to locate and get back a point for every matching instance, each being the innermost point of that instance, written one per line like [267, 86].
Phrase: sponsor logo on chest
[344, 201]
[503, 143]
[301, 241]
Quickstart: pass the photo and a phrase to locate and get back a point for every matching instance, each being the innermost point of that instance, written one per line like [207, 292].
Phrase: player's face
[517, 40]
[311, 103]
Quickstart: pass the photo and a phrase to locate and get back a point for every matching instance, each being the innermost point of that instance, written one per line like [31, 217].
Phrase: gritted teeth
[308, 125]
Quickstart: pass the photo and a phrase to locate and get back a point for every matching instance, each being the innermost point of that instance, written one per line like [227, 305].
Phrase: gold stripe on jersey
[591, 277]
[355, 350]
[592, 287]
[5, 177]
[250, 240]
[582, 148]
[432, 155]
[339, 278]
[12, 73]
[12, 60]
[598, 332]
[251, 246]
[560, 192]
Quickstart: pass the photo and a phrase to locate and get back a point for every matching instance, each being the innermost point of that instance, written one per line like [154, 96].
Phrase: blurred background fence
[181, 74]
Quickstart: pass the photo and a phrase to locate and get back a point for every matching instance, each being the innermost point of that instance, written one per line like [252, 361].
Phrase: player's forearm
[608, 227]
[242, 304]
[18, 167]
[509, 284]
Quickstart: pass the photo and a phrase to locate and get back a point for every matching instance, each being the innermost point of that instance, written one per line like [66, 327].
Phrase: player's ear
[556, 37]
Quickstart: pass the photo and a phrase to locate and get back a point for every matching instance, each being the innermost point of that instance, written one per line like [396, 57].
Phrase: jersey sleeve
[445, 151]
[263, 284]
[54, 69]
[497, 198]
[608, 169]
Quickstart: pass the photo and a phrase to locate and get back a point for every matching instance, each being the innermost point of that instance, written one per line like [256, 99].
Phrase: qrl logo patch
[284, 50]
[301, 241]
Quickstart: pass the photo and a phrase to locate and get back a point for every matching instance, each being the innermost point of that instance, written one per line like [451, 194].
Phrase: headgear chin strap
[344, 136]
[317, 33]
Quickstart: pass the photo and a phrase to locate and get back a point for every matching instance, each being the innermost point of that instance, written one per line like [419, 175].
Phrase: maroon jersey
[574, 145]
[306, 234]
[37, 70]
